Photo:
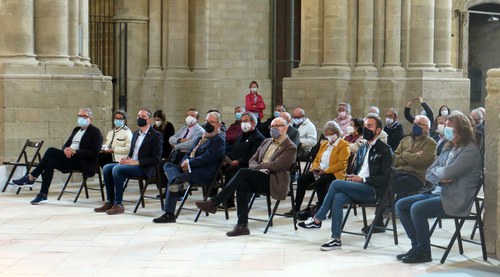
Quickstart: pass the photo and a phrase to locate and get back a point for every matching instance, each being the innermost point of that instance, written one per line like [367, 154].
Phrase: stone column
[365, 35]
[442, 35]
[178, 34]
[492, 164]
[311, 40]
[17, 35]
[392, 34]
[83, 27]
[51, 31]
[336, 34]
[155, 37]
[73, 32]
[422, 35]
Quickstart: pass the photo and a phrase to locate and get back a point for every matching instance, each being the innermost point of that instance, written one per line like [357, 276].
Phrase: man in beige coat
[267, 173]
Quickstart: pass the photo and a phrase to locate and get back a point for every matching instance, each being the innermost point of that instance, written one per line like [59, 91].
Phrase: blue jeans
[340, 193]
[114, 179]
[173, 171]
[413, 212]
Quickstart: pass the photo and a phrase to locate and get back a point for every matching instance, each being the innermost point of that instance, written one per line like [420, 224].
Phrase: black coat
[245, 146]
[395, 134]
[149, 152]
[379, 163]
[90, 146]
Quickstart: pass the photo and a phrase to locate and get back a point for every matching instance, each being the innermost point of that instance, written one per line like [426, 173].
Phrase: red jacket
[259, 105]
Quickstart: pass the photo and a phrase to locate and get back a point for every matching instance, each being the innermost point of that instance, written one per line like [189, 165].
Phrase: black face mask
[368, 134]
[208, 127]
[142, 122]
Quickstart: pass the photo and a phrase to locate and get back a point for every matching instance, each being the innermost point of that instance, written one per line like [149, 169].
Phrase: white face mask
[444, 112]
[332, 138]
[350, 129]
[440, 129]
[158, 123]
[253, 89]
[389, 121]
[342, 114]
[190, 120]
[246, 126]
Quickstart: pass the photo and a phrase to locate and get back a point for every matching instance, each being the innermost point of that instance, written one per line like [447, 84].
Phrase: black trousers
[105, 158]
[244, 183]
[229, 173]
[53, 158]
[322, 185]
[405, 184]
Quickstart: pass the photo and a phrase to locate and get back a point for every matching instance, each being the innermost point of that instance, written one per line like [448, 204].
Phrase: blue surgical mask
[237, 116]
[449, 133]
[416, 130]
[82, 122]
[275, 133]
[297, 121]
[276, 114]
[118, 123]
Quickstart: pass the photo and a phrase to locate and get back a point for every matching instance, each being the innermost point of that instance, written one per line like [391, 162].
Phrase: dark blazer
[395, 134]
[90, 146]
[379, 163]
[294, 135]
[206, 160]
[278, 166]
[149, 152]
[245, 146]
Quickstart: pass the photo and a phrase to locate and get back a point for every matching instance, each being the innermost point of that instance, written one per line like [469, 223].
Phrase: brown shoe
[103, 208]
[116, 209]
[207, 206]
[239, 230]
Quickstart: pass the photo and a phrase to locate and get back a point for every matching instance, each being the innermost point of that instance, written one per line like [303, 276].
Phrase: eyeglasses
[82, 116]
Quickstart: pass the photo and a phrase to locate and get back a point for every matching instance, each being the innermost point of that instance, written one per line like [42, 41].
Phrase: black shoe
[401, 256]
[289, 213]
[417, 257]
[379, 228]
[230, 205]
[165, 218]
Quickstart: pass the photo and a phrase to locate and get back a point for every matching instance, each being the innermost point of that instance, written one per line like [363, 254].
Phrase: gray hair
[377, 110]
[87, 110]
[393, 111]
[288, 117]
[251, 115]
[333, 126]
[302, 112]
[479, 113]
[347, 107]
[425, 118]
[216, 115]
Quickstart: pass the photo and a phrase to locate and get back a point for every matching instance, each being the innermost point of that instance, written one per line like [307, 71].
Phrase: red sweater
[255, 107]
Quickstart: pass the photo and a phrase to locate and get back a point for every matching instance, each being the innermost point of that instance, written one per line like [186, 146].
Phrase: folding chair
[459, 222]
[30, 149]
[271, 213]
[83, 185]
[143, 186]
[379, 210]
[216, 183]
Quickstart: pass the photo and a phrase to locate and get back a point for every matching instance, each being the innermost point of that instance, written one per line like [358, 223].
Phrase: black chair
[476, 216]
[83, 185]
[28, 158]
[271, 213]
[380, 205]
[216, 183]
[143, 186]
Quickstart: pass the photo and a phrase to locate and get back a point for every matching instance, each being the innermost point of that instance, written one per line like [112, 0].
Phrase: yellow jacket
[338, 159]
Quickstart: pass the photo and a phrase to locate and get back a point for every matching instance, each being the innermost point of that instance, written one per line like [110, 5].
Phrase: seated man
[267, 173]
[142, 160]
[263, 127]
[185, 137]
[393, 128]
[79, 153]
[372, 172]
[292, 133]
[197, 167]
[307, 131]
[234, 130]
[243, 149]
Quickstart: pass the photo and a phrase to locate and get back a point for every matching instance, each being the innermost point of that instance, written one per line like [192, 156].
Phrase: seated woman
[117, 143]
[330, 164]
[166, 129]
[455, 175]
[355, 140]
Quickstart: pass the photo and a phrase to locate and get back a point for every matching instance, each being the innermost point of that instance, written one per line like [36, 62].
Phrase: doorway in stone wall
[483, 54]
[108, 47]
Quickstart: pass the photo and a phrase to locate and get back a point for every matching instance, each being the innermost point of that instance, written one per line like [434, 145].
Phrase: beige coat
[406, 158]
[279, 165]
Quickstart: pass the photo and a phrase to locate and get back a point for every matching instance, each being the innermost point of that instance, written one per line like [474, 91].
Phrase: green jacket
[407, 157]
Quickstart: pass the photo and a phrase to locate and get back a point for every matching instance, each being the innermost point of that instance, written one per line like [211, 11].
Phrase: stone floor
[61, 238]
